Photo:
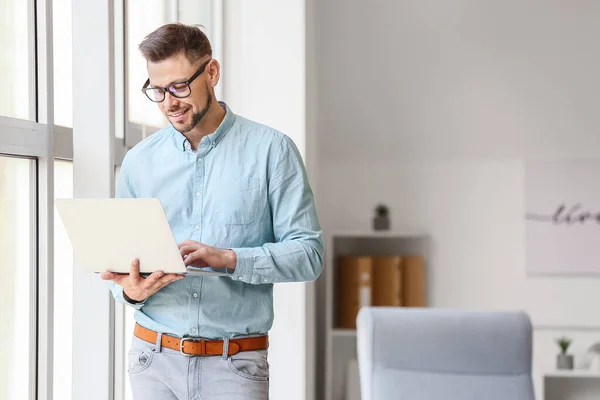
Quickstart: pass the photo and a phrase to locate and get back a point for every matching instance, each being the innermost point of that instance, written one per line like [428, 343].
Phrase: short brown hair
[173, 39]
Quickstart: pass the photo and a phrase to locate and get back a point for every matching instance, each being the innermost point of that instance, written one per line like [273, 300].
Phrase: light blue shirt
[244, 189]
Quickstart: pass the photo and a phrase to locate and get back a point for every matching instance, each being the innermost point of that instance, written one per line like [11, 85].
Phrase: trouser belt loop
[225, 348]
[158, 347]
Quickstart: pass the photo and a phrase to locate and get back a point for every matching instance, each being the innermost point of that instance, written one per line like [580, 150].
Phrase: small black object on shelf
[381, 221]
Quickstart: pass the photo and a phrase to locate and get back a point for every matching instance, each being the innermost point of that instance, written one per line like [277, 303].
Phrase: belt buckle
[181, 342]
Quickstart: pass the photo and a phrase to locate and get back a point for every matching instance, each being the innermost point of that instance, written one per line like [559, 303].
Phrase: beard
[196, 117]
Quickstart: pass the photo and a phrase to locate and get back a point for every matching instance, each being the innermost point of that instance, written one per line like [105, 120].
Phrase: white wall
[263, 80]
[432, 107]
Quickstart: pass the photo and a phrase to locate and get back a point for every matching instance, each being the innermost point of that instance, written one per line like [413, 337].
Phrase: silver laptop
[108, 234]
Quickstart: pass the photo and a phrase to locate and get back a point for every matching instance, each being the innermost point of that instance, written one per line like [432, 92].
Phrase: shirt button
[197, 194]
[195, 294]
[193, 330]
[197, 227]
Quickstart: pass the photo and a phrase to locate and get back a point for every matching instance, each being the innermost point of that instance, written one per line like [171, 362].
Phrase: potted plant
[381, 221]
[564, 360]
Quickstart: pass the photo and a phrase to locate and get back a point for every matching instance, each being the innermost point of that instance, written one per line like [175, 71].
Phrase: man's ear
[214, 72]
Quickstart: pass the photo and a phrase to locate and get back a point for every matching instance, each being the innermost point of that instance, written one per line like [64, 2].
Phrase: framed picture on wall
[562, 217]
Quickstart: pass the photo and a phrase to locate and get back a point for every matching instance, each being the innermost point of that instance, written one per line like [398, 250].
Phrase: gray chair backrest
[437, 354]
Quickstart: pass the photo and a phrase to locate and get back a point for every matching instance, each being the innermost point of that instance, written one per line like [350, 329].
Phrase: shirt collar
[214, 138]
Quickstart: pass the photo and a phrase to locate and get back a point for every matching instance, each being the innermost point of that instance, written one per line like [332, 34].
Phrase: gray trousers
[157, 373]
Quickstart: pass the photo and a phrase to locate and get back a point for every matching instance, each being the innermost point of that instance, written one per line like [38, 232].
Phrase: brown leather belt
[203, 347]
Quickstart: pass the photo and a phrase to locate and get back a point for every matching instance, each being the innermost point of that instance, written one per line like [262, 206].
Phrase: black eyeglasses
[177, 89]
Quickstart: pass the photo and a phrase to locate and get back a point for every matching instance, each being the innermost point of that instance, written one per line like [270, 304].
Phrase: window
[63, 63]
[25, 182]
[17, 286]
[197, 12]
[63, 287]
[142, 18]
[23, 226]
[15, 69]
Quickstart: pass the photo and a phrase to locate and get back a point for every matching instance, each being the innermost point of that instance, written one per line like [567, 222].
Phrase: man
[237, 197]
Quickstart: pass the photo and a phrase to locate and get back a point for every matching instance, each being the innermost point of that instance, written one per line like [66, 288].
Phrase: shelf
[576, 373]
[343, 333]
[341, 344]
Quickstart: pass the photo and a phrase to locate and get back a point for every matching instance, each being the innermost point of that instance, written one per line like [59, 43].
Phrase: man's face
[187, 112]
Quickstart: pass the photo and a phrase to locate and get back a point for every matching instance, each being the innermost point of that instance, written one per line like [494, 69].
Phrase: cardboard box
[387, 281]
[353, 287]
[413, 281]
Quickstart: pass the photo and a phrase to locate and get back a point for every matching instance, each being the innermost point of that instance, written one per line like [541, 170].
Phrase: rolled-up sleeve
[297, 253]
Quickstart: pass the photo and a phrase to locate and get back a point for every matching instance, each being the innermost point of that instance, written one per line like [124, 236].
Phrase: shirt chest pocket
[238, 201]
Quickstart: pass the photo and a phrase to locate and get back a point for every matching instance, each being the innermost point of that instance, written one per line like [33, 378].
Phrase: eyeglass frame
[164, 90]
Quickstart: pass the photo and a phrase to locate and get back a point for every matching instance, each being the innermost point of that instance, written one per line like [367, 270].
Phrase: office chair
[436, 354]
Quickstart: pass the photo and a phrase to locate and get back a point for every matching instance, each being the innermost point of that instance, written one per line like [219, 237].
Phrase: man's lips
[178, 115]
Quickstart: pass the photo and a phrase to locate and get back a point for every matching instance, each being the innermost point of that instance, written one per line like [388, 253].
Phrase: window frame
[44, 101]
[37, 139]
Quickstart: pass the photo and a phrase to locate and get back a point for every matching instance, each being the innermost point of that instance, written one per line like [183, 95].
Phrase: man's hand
[200, 255]
[138, 288]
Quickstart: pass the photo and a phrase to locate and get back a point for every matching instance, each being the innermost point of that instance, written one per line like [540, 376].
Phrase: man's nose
[170, 101]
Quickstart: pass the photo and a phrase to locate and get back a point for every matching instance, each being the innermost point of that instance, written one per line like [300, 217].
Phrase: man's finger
[165, 280]
[108, 276]
[196, 258]
[153, 278]
[114, 277]
[190, 258]
[186, 242]
[135, 270]
[186, 249]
